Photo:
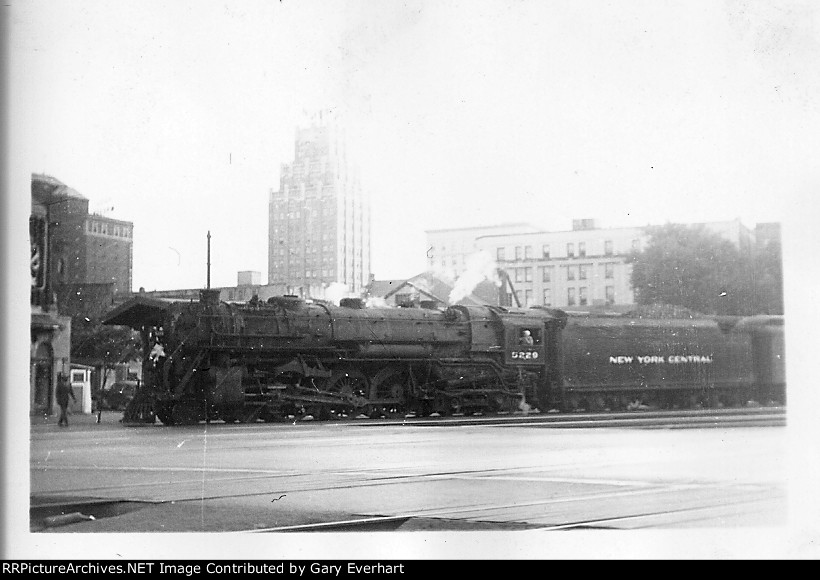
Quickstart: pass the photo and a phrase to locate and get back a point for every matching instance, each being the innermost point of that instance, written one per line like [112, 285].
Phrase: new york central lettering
[657, 359]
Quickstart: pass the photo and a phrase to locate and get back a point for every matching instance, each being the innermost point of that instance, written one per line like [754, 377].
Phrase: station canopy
[139, 311]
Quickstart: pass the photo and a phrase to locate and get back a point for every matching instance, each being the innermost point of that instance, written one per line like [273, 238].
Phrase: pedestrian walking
[63, 393]
[96, 398]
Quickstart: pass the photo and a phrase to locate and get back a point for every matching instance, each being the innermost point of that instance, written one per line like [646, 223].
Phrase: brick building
[79, 263]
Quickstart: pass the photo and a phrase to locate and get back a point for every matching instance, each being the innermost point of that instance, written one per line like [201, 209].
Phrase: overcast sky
[178, 115]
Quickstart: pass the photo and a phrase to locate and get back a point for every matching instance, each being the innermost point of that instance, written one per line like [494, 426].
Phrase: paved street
[268, 479]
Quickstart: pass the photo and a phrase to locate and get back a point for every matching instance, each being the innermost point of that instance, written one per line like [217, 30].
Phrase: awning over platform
[139, 311]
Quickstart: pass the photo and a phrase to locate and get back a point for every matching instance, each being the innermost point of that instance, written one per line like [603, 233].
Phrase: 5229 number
[524, 355]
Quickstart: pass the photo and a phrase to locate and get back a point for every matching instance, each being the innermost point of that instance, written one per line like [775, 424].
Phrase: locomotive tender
[289, 357]
[628, 362]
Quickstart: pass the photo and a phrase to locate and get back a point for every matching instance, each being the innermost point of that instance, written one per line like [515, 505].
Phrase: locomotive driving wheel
[350, 384]
[388, 391]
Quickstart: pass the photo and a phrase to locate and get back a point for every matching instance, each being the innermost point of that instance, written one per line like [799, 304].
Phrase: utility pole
[209, 260]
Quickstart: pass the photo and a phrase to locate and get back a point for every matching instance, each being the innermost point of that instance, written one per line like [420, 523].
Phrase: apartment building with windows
[582, 267]
[319, 218]
[579, 268]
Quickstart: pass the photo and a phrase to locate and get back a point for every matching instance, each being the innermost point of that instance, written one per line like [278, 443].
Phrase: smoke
[443, 274]
[376, 302]
[479, 266]
[421, 285]
[335, 292]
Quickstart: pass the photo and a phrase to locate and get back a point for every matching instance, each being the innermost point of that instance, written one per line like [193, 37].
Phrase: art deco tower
[319, 219]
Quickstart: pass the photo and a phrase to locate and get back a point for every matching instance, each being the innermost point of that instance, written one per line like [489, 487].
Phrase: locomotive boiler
[208, 359]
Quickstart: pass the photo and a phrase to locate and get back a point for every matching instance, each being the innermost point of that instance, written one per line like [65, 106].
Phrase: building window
[547, 297]
[570, 250]
[499, 255]
[582, 296]
[518, 254]
[582, 271]
[545, 251]
[570, 273]
[518, 275]
[528, 252]
[403, 299]
[582, 249]
[609, 271]
[610, 294]
[608, 248]
[527, 274]
[570, 296]
[518, 298]
[527, 297]
[546, 274]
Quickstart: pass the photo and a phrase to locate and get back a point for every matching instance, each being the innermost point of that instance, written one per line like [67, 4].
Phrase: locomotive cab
[524, 344]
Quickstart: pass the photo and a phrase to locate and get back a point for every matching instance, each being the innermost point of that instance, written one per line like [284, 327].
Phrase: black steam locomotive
[286, 356]
[212, 360]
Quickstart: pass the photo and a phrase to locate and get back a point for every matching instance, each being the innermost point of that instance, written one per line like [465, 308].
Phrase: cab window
[528, 336]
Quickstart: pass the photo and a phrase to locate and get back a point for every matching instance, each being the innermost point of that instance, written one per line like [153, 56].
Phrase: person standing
[97, 399]
[63, 393]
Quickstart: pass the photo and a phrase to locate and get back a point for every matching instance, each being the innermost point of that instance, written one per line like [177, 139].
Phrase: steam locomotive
[285, 357]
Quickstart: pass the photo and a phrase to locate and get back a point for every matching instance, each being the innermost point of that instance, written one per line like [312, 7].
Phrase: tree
[103, 345]
[697, 269]
[767, 282]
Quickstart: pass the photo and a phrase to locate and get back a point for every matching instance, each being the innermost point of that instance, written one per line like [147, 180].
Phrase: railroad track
[666, 419]
[680, 419]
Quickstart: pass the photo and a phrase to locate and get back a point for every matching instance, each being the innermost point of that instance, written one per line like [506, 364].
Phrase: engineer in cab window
[526, 338]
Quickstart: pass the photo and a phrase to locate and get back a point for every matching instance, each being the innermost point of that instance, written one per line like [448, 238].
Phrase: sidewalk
[109, 418]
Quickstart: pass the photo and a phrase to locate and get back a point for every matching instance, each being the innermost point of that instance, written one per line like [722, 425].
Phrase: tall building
[319, 218]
